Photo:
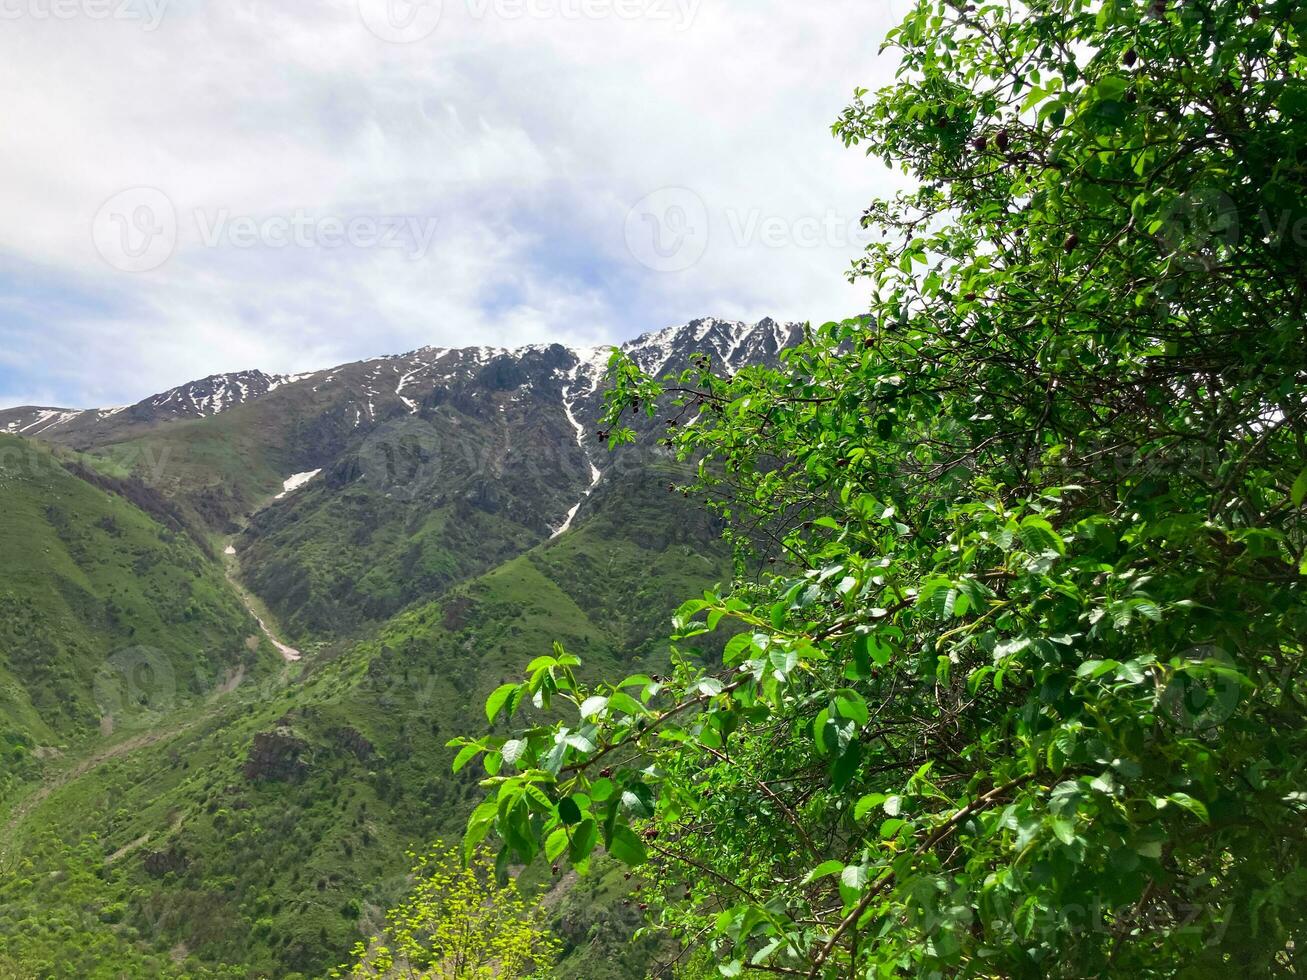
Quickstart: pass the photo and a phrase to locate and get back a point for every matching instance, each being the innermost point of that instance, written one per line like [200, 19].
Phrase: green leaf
[823, 870]
[1299, 492]
[1061, 748]
[1064, 830]
[867, 804]
[938, 598]
[538, 796]
[556, 844]
[853, 879]
[1039, 537]
[737, 648]
[513, 750]
[568, 811]
[627, 847]
[466, 755]
[1187, 802]
[478, 826]
[846, 765]
[495, 703]
[621, 701]
[639, 800]
[1096, 668]
[891, 827]
[852, 706]
[580, 742]
[584, 837]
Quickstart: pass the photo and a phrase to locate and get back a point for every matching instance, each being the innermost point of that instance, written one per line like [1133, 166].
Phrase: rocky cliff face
[277, 756]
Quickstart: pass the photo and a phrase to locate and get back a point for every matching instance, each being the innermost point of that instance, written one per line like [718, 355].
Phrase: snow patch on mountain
[293, 483]
[35, 421]
[590, 365]
[220, 392]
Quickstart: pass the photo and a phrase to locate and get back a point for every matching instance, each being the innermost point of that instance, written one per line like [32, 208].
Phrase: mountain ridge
[218, 393]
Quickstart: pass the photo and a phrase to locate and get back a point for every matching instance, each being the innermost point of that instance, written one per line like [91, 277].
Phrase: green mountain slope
[109, 616]
[198, 854]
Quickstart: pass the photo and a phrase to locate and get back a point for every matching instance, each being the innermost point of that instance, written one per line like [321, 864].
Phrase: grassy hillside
[172, 859]
[338, 559]
[109, 617]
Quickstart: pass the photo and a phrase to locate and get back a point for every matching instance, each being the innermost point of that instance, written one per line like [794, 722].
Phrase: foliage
[458, 923]
[274, 867]
[1022, 697]
[106, 610]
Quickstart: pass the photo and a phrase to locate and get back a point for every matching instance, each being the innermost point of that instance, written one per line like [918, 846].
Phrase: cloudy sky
[196, 186]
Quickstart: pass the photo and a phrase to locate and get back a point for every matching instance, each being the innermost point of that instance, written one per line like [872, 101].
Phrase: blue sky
[190, 187]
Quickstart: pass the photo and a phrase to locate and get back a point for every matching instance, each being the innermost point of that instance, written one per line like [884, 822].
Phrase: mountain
[427, 467]
[110, 613]
[196, 400]
[365, 393]
[420, 526]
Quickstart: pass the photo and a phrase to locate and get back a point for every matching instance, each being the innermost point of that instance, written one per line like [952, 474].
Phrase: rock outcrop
[277, 755]
[160, 863]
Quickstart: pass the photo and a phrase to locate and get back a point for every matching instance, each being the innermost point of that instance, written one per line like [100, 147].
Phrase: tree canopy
[456, 923]
[1018, 689]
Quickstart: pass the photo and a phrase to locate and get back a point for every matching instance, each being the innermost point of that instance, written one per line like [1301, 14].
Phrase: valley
[379, 546]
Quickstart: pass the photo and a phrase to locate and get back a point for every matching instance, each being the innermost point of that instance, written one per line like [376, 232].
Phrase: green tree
[458, 923]
[1022, 693]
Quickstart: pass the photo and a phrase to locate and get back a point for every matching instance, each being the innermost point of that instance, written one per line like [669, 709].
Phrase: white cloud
[526, 133]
